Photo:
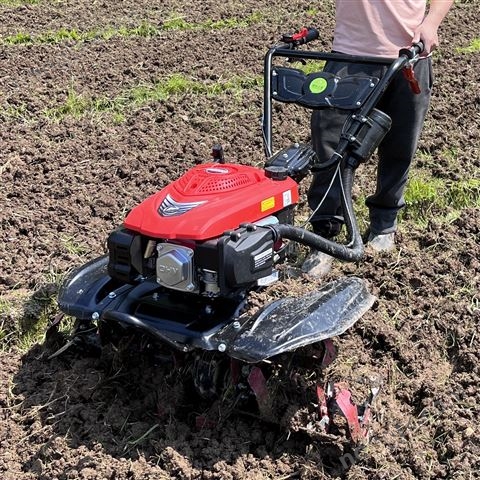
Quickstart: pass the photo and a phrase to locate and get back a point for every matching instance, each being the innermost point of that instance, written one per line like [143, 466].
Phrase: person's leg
[326, 126]
[324, 195]
[397, 149]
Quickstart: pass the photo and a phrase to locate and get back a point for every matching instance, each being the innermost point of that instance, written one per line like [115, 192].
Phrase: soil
[67, 183]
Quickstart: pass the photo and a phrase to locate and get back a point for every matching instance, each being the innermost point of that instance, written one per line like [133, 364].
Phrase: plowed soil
[68, 181]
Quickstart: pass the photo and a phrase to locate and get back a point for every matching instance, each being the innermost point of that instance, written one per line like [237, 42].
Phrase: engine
[222, 266]
[207, 232]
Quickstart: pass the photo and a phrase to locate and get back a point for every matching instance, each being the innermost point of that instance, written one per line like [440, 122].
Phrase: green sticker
[318, 85]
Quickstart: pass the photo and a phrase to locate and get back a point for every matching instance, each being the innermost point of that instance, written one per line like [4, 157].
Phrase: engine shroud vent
[215, 179]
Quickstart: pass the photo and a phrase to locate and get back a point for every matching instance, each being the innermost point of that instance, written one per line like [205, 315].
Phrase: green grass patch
[178, 22]
[424, 196]
[63, 35]
[72, 247]
[311, 66]
[18, 3]
[77, 105]
[474, 47]
[14, 112]
[144, 29]
[25, 314]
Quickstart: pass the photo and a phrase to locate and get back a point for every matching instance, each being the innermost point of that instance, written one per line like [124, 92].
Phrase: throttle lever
[409, 75]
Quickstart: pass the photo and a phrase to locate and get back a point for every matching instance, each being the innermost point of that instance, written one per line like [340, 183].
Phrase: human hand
[427, 30]
[428, 34]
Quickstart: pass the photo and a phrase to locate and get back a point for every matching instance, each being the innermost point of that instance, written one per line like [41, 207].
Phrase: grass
[72, 247]
[424, 194]
[25, 315]
[144, 29]
[18, 3]
[474, 47]
[77, 105]
[178, 22]
[312, 66]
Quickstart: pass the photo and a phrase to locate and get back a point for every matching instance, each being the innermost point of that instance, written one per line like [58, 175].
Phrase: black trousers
[396, 151]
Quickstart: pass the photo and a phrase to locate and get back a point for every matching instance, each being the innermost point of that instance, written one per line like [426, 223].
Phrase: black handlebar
[288, 49]
[413, 51]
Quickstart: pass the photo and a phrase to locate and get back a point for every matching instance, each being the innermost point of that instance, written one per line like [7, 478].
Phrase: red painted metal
[350, 411]
[232, 194]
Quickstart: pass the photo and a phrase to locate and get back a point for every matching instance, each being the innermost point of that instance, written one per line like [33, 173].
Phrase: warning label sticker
[267, 204]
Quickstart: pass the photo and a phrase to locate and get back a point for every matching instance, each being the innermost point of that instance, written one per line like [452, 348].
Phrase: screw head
[112, 295]
[236, 325]
[95, 316]
[222, 347]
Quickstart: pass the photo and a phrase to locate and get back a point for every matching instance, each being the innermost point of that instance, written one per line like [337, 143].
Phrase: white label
[287, 198]
[268, 280]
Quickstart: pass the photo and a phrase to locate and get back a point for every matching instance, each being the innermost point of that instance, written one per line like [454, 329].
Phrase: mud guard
[291, 323]
[281, 326]
[85, 290]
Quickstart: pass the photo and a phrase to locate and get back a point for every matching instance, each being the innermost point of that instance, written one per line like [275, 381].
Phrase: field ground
[101, 104]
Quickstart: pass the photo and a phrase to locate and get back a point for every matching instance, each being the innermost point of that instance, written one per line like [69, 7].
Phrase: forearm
[427, 30]
[437, 11]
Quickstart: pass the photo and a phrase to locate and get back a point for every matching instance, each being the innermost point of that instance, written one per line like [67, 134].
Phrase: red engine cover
[210, 199]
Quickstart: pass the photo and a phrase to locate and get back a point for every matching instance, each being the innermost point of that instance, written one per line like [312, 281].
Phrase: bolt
[358, 103]
[95, 316]
[275, 93]
[274, 73]
[285, 155]
[236, 325]
[372, 85]
[222, 347]
[112, 295]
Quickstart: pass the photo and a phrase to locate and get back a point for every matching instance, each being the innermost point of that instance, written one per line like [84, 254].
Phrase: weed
[14, 112]
[312, 66]
[18, 3]
[18, 39]
[424, 194]
[464, 194]
[144, 29]
[77, 105]
[72, 247]
[474, 47]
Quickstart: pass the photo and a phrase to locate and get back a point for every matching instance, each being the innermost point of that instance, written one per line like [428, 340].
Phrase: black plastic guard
[290, 323]
[86, 289]
[290, 85]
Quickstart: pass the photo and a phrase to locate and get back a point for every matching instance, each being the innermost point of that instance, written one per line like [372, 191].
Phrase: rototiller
[180, 269]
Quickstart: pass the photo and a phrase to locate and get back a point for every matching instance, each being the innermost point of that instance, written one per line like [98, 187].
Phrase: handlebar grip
[418, 47]
[310, 35]
[305, 35]
[412, 52]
